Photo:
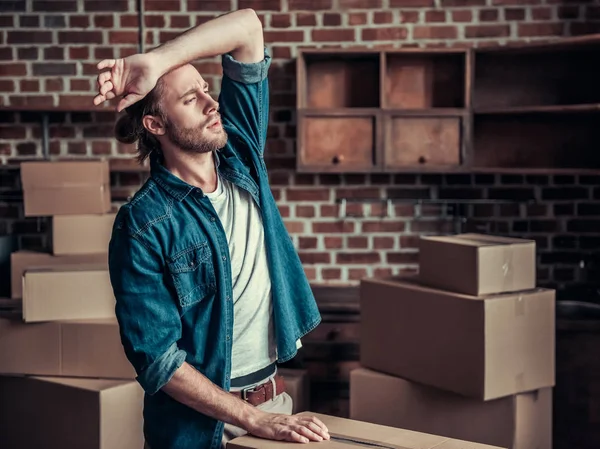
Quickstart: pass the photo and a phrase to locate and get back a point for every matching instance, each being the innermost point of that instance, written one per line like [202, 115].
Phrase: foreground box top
[67, 174]
[350, 434]
[477, 264]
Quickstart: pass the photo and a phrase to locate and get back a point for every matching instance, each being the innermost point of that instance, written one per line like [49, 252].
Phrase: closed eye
[189, 100]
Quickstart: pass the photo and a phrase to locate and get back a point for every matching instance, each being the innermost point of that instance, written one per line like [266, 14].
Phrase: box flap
[84, 383]
[66, 268]
[478, 240]
[49, 174]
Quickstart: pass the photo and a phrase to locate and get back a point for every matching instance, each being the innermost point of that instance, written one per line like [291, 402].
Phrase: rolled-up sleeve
[244, 99]
[149, 320]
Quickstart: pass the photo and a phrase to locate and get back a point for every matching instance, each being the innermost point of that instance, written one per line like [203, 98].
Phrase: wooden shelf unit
[519, 108]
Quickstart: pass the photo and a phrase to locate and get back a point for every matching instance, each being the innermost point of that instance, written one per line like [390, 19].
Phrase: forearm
[238, 33]
[193, 389]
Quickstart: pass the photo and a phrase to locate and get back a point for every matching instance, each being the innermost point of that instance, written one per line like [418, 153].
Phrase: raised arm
[238, 33]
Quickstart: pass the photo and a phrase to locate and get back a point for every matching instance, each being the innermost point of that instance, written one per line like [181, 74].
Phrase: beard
[194, 140]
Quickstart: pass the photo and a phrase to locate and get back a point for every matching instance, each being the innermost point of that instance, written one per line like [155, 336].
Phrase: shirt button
[224, 258]
[228, 298]
[227, 338]
[212, 218]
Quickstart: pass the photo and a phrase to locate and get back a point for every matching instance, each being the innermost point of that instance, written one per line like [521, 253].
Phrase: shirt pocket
[193, 274]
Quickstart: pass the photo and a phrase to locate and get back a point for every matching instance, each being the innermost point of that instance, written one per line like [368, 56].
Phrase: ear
[154, 124]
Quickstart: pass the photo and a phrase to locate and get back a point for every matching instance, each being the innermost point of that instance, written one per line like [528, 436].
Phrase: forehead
[179, 81]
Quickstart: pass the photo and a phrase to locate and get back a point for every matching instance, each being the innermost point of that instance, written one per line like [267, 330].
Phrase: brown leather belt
[263, 392]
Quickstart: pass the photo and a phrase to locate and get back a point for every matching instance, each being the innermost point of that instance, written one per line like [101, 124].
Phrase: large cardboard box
[477, 264]
[65, 188]
[297, 385]
[351, 434]
[81, 234]
[21, 261]
[522, 421]
[67, 413]
[78, 348]
[482, 347]
[59, 293]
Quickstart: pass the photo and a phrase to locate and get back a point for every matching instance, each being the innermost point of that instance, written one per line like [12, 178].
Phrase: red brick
[53, 85]
[55, 6]
[462, 15]
[29, 37]
[104, 21]
[208, 5]
[411, 3]
[564, 12]
[294, 227]
[164, 5]
[435, 32]
[180, 22]
[333, 242]
[155, 21]
[483, 31]
[56, 132]
[305, 211]
[127, 51]
[79, 21]
[516, 2]
[592, 12]
[79, 52]
[261, 5]
[541, 29]
[332, 227]
[12, 132]
[356, 274]
[165, 36]
[104, 53]
[7, 22]
[453, 3]
[308, 194]
[129, 20]
[284, 36]
[7, 86]
[338, 35]
[307, 242]
[6, 54]
[306, 19]
[284, 211]
[358, 258]
[312, 258]
[435, 16]
[54, 53]
[29, 85]
[33, 101]
[332, 19]
[384, 34]
[101, 147]
[383, 226]
[488, 15]
[430, 226]
[382, 17]
[13, 69]
[26, 149]
[545, 13]
[298, 5]
[5, 149]
[80, 37]
[282, 53]
[281, 21]
[106, 6]
[382, 272]
[409, 241]
[514, 14]
[123, 37]
[578, 29]
[77, 148]
[360, 242]
[331, 274]
[360, 4]
[310, 273]
[404, 258]
[80, 84]
[383, 242]
[54, 69]
[357, 18]
[409, 16]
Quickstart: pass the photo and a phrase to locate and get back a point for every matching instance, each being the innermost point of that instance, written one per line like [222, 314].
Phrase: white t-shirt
[253, 331]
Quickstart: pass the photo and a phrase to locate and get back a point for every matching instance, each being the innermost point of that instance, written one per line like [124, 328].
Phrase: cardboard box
[20, 261]
[297, 385]
[59, 293]
[78, 348]
[347, 433]
[477, 264]
[522, 421]
[65, 413]
[65, 188]
[481, 347]
[81, 234]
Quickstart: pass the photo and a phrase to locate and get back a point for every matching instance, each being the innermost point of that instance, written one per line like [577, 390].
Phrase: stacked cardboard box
[465, 349]
[63, 371]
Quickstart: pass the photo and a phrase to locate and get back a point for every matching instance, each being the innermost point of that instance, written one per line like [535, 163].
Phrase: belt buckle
[245, 393]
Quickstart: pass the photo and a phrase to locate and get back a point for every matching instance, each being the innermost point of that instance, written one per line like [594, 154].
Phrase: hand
[132, 77]
[295, 428]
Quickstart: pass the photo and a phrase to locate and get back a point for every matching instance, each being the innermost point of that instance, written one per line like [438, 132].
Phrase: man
[210, 291]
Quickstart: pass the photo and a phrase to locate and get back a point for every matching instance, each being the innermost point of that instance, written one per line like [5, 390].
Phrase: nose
[211, 106]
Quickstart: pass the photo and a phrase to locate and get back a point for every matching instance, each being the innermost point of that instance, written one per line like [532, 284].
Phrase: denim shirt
[171, 273]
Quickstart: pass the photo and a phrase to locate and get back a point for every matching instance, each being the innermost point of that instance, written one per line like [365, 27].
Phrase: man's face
[192, 121]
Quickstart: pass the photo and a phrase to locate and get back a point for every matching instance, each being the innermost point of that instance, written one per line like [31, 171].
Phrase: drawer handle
[338, 159]
[422, 159]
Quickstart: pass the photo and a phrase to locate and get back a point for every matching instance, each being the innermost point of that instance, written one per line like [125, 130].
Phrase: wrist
[249, 418]
[159, 62]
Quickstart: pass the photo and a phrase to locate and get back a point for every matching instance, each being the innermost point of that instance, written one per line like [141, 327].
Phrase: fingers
[296, 437]
[308, 434]
[106, 87]
[128, 101]
[110, 63]
[321, 428]
[317, 430]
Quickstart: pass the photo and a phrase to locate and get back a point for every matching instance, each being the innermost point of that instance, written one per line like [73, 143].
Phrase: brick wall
[48, 50]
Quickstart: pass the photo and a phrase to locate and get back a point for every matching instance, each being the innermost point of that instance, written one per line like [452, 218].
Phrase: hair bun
[126, 129]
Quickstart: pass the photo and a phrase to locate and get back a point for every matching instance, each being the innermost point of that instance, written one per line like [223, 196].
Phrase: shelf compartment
[338, 79]
[424, 80]
[338, 142]
[422, 141]
[537, 141]
[537, 77]
[562, 109]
